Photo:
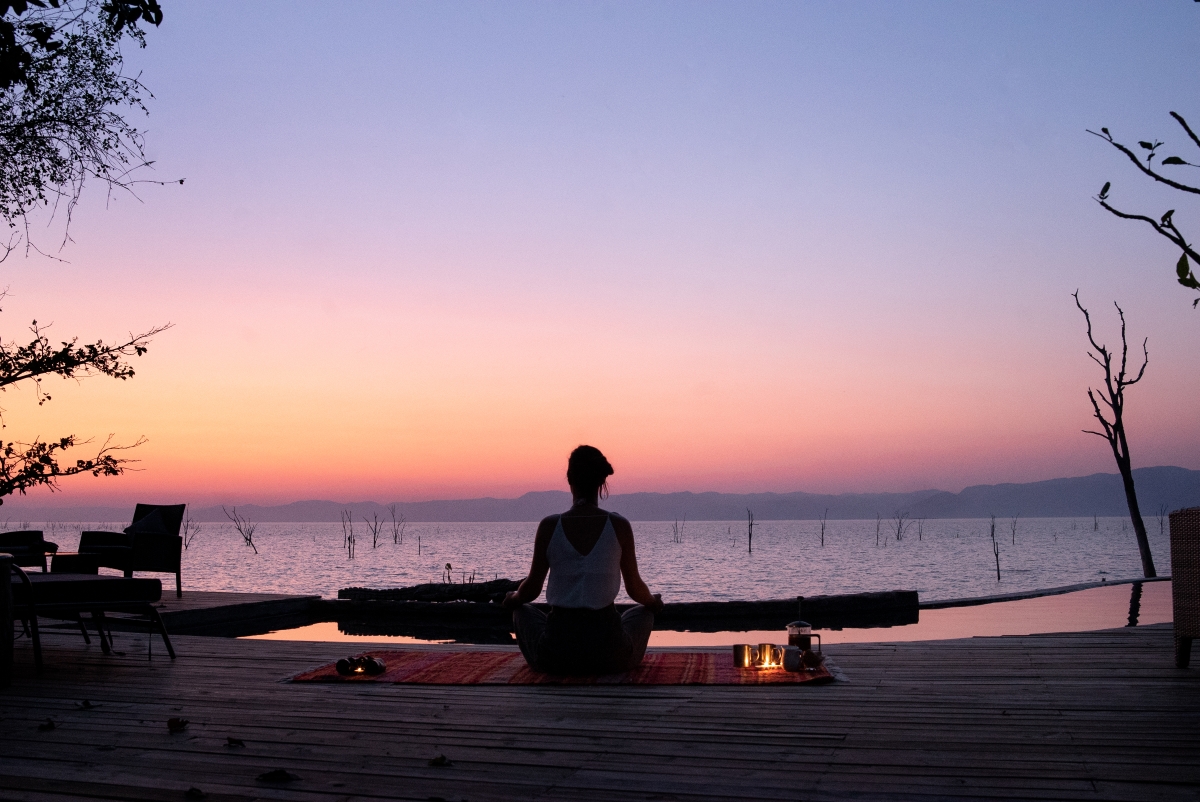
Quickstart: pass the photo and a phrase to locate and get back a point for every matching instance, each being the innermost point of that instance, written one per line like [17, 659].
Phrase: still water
[942, 559]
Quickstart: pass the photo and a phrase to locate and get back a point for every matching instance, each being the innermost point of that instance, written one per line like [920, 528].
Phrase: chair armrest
[24, 577]
[49, 548]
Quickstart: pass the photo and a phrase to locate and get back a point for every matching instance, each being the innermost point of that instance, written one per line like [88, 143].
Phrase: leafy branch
[26, 465]
[63, 95]
[70, 360]
[1165, 224]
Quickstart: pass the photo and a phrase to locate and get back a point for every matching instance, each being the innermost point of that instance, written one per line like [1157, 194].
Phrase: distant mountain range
[1082, 496]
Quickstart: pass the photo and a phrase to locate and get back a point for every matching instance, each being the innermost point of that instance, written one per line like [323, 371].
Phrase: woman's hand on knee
[511, 601]
[657, 605]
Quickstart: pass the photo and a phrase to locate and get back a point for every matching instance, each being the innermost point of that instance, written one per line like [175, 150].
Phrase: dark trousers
[581, 641]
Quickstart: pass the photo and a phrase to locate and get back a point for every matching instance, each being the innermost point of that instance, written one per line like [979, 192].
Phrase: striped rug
[465, 667]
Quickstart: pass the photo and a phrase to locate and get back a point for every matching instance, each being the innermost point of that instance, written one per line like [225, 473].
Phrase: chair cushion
[27, 546]
[169, 516]
[68, 589]
[151, 524]
[22, 537]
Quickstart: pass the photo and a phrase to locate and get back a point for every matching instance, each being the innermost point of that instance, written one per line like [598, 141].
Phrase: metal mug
[743, 655]
[769, 655]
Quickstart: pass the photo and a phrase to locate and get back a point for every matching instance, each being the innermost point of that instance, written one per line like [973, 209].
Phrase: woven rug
[465, 667]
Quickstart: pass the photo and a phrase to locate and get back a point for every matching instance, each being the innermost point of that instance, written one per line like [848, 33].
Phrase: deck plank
[1101, 715]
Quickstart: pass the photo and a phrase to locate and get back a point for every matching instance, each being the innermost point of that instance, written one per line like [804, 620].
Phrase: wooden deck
[1100, 715]
[224, 614]
[233, 614]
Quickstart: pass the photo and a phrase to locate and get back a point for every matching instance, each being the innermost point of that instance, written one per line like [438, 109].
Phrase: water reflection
[1135, 604]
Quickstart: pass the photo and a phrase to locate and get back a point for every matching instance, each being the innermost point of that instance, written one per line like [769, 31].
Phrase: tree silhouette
[63, 100]
[29, 464]
[1165, 224]
[1112, 396]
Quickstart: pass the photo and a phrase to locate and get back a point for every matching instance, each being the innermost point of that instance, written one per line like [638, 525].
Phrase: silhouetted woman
[586, 552]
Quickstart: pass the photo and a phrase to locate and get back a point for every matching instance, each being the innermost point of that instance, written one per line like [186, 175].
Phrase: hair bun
[587, 468]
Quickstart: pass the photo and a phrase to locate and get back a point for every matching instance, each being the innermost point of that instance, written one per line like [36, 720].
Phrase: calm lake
[942, 559]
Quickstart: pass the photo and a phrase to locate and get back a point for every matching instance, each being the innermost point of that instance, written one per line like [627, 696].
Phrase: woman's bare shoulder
[620, 522]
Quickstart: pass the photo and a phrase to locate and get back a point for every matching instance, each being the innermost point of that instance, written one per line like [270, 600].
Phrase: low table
[75, 563]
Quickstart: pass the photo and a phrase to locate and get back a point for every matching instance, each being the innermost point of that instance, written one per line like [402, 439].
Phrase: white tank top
[590, 581]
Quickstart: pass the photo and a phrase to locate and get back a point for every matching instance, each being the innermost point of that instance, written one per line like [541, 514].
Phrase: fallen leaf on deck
[194, 793]
[277, 776]
[441, 760]
[231, 741]
[86, 705]
[46, 727]
[177, 724]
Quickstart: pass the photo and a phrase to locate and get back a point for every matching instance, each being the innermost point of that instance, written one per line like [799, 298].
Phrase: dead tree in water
[878, 524]
[995, 548]
[1013, 524]
[901, 523]
[920, 529]
[189, 530]
[373, 524]
[677, 530]
[1162, 519]
[824, 518]
[398, 523]
[1112, 394]
[243, 526]
[348, 533]
[749, 531]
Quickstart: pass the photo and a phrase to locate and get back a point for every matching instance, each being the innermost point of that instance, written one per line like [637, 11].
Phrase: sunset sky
[424, 250]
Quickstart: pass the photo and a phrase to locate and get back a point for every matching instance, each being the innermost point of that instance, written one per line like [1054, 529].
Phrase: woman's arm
[531, 586]
[634, 585]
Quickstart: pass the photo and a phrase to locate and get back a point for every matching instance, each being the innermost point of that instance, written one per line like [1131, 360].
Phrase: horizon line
[9, 502]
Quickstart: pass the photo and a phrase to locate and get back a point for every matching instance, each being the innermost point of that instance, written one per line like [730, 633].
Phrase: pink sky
[822, 247]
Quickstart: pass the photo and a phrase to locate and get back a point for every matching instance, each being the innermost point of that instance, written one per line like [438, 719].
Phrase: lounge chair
[150, 543]
[67, 596]
[28, 547]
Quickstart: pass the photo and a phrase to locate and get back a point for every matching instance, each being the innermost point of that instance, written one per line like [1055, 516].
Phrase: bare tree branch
[1113, 425]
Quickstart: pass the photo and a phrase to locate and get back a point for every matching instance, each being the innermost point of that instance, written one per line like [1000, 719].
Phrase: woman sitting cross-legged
[586, 552]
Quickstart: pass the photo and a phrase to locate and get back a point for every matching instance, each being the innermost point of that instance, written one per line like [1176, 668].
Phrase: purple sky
[423, 250]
